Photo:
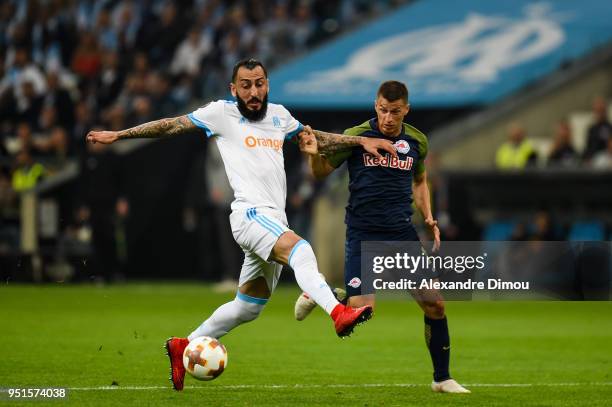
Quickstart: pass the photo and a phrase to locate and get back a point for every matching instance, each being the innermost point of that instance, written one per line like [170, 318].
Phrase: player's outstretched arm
[422, 200]
[319, 166]
[330, 143]
[162, 128]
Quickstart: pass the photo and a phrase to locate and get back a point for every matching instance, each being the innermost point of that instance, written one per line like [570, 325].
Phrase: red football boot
[347, 318]
[174, 350]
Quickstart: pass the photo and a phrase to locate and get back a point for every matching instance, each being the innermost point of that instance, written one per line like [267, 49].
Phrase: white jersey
[252, 152]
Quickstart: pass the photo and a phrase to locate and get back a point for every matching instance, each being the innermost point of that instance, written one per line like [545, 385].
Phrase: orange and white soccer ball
[205, 358]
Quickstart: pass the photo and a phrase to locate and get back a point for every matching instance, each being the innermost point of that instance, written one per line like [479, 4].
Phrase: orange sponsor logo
[252, 142]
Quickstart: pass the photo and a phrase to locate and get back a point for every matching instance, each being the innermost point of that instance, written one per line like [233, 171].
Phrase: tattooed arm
[319, 145]
[319, 166]
[156, 129]
[329, 143]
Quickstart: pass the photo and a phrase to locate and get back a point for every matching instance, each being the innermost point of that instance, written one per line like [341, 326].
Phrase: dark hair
[249, 64]
[393, 90]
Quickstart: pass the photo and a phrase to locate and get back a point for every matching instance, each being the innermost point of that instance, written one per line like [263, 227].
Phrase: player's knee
[256, 288]
[435, 309]
[287, 245]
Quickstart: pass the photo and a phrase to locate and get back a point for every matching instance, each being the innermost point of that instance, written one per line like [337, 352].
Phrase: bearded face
[253, 109]
[250, 88]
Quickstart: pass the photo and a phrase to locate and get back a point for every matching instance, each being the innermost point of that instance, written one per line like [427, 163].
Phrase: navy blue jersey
[381, 190]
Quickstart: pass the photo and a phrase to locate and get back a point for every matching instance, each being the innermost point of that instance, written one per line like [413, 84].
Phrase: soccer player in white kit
[250, 133]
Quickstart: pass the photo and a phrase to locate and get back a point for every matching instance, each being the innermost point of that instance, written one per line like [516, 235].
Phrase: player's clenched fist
[102, 137]
[308, 141]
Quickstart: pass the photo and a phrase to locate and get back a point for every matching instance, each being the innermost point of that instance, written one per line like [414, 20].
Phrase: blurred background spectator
[517, 152]
[562, 153]
[602, 160]
[600, 131]
[27, 172]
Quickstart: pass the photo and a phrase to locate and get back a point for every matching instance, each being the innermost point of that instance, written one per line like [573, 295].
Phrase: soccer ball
[205, 358]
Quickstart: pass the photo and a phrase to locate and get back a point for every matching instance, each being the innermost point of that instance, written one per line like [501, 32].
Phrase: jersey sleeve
[423, 150]
[336, 159]
[292, 126]
[209, 117]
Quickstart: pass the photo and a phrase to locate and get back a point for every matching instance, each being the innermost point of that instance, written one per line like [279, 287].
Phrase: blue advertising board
[449, 53]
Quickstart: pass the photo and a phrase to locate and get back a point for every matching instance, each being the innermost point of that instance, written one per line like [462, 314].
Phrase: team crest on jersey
[402, 146]
[355, 282]
[276, 121]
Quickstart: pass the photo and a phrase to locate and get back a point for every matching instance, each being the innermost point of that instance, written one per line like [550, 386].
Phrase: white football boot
[304, 304]
[448, 386]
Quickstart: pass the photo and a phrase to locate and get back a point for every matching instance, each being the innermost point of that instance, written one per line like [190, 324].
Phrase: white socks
[228, 316]
[304, 264]
[245, 308]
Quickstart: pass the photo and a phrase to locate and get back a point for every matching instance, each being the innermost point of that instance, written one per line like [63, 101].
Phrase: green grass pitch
[508, 353]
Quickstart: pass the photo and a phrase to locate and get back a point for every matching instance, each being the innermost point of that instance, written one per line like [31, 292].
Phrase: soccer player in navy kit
[379, 209]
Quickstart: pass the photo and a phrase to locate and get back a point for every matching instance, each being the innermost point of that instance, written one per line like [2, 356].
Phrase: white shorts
[257, 230]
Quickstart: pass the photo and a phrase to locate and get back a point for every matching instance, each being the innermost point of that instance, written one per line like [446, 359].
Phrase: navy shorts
[352, 255]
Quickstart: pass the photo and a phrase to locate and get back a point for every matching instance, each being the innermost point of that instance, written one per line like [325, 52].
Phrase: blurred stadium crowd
[67, 66]
[559, 151]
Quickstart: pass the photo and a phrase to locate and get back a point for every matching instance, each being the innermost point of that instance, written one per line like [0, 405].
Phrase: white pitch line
[334, 386]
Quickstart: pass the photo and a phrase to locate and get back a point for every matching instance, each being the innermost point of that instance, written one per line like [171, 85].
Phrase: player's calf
[437, 337]
[242, 309]
[302, 260]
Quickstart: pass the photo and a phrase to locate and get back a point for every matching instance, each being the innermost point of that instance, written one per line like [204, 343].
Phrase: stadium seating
[499, 230]
[588, 230]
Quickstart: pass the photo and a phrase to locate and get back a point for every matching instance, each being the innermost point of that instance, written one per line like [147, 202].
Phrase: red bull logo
[402, 146]
[355, 282]
[388, 161]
